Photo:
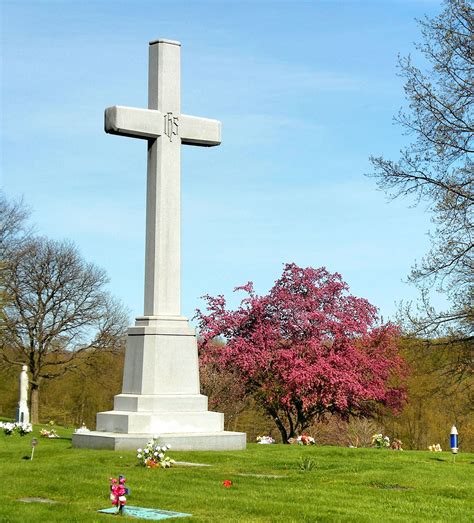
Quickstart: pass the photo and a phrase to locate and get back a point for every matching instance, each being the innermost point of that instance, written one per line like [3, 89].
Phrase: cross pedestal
[160, 394]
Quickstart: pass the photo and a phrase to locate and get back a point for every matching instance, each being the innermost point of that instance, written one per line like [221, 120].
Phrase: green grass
[341, 485]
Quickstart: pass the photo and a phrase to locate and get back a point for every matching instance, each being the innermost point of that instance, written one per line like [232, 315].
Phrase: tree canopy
[55, 304]
[305, 349]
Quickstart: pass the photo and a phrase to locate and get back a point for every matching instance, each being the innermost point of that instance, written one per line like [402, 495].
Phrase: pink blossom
[305, 349]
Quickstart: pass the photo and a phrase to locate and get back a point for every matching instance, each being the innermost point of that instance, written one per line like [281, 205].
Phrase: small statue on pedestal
[22, 412]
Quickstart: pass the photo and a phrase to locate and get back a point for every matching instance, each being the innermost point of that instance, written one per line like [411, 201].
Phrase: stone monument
[22, 412]
[160, 394]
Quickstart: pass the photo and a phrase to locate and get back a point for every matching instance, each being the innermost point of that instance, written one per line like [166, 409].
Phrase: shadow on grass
[389, 486]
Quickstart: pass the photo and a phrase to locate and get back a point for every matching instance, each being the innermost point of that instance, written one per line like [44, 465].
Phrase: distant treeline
[435, 402]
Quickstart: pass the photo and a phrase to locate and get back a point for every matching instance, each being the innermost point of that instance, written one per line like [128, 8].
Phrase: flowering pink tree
[306, 349]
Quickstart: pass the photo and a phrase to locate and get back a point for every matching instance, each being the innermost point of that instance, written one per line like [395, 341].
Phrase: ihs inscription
[170, 127]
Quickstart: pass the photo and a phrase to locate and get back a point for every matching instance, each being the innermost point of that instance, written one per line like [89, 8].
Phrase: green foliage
[347, 485]
[306, 464]
[431, 410]
[75, 397]
[434, 403]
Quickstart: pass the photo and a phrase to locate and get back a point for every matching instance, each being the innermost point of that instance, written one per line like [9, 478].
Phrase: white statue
[22, 412]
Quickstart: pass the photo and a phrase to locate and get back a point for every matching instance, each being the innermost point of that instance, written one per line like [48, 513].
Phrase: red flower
[118, 491]
[227, 483]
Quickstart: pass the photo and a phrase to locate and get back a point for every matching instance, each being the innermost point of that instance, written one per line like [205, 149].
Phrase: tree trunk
[281, 427]
[34, 403]
[291, 426]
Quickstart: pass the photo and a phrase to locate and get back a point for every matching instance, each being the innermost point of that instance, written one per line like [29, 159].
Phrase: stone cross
[160, 392]
[165, 128]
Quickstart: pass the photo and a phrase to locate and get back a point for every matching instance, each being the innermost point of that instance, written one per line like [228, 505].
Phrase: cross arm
[132, 122]
[199, 131]
[149, 123]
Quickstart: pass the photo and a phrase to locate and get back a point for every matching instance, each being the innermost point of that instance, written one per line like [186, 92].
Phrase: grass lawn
[343, 485]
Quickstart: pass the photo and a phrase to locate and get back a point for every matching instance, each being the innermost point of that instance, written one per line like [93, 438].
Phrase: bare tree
[437, 169]
[13, 223]
[13, 230]
[58, 309]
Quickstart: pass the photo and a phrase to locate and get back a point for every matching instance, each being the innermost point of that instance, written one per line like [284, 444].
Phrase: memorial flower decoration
[50, 432]
[265, 440]
[45, 433]
[8, 428]
[24, 428]
[435, 448]
[380, 441]
[21, 427]
[82, 430]
[227, 483]
[396, 444]
[304, 439]
[153, 455]
[118, 491]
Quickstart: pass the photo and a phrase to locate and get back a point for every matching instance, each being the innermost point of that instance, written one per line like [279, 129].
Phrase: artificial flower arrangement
[51, 433]
[82, 430]
[153, 455]
[20, 426]
[435, 448]
[265, 440]
[118, 490]
[45, 433]
[396, 444]
[8, 428]
[379, 441]
[24, 428]
[304, 439]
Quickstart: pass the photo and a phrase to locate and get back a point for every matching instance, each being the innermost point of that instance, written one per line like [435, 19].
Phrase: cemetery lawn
[268, 484]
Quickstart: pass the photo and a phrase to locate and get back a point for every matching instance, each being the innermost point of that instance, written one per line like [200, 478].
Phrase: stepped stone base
[160, 395]
[221, 440]
[164, 422]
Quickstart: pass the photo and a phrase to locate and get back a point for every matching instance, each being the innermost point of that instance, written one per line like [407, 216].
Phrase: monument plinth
[160, 393]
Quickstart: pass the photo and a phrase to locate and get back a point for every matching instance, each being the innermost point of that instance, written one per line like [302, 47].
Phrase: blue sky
[306, 92]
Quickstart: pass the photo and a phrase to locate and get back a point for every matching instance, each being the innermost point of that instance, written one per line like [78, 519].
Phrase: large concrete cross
[165, 128]
[161, 390]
